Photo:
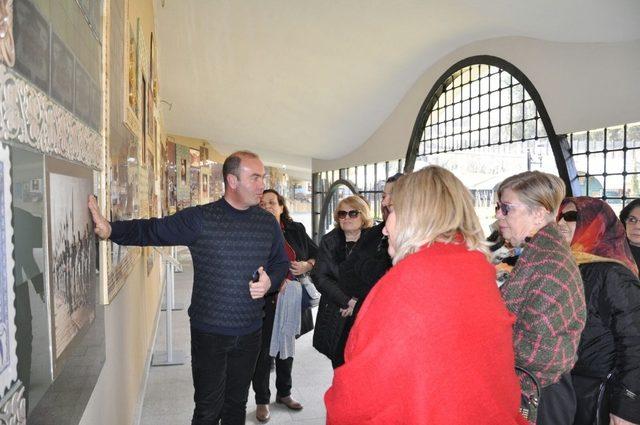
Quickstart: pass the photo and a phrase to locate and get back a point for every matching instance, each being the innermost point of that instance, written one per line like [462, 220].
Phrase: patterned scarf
[600, 236]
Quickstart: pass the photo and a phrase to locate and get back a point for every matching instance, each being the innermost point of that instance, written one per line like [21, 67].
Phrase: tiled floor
[169, 393]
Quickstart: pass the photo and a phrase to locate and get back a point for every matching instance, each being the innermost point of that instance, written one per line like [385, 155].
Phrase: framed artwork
[132, 72]
[172, 181]
[216, 182]
[184, 190]
[71, 256]
[8, 357]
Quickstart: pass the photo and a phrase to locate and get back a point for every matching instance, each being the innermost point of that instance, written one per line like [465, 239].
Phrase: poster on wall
[72, 256]
[172, 182]
[194, 171]
[182, 164]
[216, 182]
[131, 81]
[8, 357]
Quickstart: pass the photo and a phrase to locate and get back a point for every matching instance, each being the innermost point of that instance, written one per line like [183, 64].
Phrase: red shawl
[599, 236]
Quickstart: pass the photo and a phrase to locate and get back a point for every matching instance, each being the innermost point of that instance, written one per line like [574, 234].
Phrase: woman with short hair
[432, 343]
[352, 217]
[544, 291]
[610, 342]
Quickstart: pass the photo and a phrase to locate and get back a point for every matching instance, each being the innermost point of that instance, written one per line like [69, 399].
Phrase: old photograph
[72, 253]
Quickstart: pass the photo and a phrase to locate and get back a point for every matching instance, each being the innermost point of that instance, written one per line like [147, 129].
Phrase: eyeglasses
[632, 220]
[505, 207]
[569, 216]
[343, 214]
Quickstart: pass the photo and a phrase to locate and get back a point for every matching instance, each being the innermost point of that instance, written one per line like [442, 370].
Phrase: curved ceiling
[317, 78]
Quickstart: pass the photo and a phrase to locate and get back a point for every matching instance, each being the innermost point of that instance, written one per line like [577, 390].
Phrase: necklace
[348, 247]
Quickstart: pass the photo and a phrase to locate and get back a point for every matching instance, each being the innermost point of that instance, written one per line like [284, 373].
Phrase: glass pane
[494, 117]
[529, 110]
[579, 143]
[371, 176]
[580, 162]
[633, 135]
[596, 163]
[596, 140]
[393, 168]
[505, 115]
[615, 138]
[516, 131]
[360, 183]
[494, 100]
[632, 186]
[614, 185]
[517, 93]
[615, 162]
[633, 161]
[595, 189]
[530, 129]
[516, 112]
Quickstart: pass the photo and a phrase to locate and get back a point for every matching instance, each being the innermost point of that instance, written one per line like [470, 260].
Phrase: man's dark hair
[284, 217]
[626, 211]
[395, 177]
[232, 164]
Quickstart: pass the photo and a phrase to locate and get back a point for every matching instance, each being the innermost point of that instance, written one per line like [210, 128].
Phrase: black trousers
[222, 367]
[263, 366]
[587, 391]
[557, 403]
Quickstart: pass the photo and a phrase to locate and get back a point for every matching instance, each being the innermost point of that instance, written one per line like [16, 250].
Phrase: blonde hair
[536, 189]
[357, 203]
[433, 205]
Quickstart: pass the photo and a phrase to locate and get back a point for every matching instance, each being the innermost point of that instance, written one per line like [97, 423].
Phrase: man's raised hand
[102, 228]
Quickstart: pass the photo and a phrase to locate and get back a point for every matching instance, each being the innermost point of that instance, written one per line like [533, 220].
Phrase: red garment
[432, 344]
[599, 236]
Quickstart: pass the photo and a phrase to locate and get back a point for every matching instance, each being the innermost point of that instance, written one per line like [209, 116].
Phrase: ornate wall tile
[7, 46]
[13, 409]
[28, 116]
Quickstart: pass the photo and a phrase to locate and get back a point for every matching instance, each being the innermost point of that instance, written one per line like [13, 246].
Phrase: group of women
[438, 341]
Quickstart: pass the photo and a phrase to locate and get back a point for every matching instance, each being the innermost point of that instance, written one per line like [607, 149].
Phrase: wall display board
[132, 104]
[205, 192]
[183, 177]
[71, 255]
[8, 357]
[172, 180]
[194, 176]
[216, 182]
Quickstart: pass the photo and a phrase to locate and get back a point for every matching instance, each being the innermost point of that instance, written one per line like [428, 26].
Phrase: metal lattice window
[368, 179]
[607, 162]
[484, 126]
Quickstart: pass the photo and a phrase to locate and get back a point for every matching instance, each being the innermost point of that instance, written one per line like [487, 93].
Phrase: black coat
[332, 253]
[366, 265]
[611, 337]
[305, 248]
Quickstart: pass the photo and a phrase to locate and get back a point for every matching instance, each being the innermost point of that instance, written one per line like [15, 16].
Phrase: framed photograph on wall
[71, 256]
[8, 357]
[131, 62]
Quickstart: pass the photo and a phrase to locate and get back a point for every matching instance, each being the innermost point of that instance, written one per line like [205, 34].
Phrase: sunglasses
[343, 214]
[569, 216]
[506, 207]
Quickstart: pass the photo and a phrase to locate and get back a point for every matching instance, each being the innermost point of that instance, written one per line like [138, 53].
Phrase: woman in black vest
[302, 253]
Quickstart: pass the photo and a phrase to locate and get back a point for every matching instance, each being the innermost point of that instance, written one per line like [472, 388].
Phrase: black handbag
[529, 403]
[329, 327]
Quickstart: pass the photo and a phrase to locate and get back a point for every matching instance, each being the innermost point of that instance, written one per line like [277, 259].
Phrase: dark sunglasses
[343, 214]
[569, 216]
[506, 207]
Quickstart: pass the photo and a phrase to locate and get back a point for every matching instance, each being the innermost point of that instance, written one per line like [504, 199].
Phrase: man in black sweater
[229, 240]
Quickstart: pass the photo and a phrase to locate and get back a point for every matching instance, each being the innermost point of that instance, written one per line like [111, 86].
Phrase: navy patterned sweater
[227, 245]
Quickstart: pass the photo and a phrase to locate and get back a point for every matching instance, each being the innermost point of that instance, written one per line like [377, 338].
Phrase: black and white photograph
[72, 254]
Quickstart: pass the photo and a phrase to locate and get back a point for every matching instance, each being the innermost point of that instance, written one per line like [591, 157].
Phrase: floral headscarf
[599, 236]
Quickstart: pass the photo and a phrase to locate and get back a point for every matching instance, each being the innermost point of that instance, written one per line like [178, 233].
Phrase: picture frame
[131, 63]
[71, 256]
[8, 343]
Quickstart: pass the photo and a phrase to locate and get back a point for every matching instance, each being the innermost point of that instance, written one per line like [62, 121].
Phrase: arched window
[485, 121]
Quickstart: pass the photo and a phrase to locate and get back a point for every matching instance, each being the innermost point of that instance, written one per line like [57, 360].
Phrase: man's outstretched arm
[182, 228]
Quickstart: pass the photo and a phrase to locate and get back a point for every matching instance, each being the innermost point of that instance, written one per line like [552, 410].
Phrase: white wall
[583, 86]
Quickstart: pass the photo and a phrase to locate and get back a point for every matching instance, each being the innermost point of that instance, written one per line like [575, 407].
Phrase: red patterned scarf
[599, 236]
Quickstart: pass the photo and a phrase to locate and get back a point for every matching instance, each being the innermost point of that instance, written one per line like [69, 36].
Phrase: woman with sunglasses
[301, 251]
[352, 217]
[630, 217]
[610, 341]
[544, 291]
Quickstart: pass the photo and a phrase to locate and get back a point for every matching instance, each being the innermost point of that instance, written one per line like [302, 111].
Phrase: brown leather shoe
[289, 402]
[262, 413]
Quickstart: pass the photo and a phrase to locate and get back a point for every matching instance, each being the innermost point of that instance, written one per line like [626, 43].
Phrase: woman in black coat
[352, 218]
[630, 217]
[302, 252]
[610, 342]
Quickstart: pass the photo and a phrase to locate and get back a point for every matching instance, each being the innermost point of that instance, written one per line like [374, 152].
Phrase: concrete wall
[583, 86]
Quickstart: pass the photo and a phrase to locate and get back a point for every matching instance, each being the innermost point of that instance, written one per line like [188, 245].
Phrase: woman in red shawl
[610, 342]
[432, 343]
